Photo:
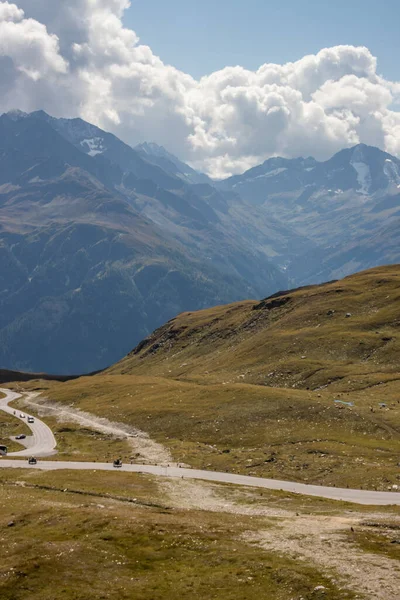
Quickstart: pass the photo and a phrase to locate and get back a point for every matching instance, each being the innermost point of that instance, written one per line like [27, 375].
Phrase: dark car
[21, 436]
[117, 463]
[32, 460]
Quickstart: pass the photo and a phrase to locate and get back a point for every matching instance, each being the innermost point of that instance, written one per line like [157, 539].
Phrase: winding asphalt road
[45, 444]
[42, 441]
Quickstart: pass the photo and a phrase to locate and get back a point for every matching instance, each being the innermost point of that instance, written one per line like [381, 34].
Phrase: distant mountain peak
[16, 114]
[360, 152]
[153, 149]
[160, 156]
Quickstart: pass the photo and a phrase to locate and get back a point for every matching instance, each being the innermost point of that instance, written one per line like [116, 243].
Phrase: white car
[22, 416]
[31, 420]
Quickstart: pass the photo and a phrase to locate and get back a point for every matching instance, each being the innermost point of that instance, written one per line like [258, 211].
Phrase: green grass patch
[67, 546]
[9, 426]
[382, 539]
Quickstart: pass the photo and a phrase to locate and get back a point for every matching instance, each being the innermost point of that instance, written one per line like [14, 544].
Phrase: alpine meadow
[199, 300]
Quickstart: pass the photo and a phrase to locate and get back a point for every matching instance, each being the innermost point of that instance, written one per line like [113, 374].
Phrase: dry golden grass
[251, 388]
[270, 432]
[300, 343]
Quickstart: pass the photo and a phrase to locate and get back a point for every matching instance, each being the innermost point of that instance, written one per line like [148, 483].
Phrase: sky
[251, 32]
[224, 85]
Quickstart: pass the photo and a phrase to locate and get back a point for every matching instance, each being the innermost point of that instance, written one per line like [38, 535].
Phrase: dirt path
[324, 542]
[149, 450]
[319, 540]
[200, 495]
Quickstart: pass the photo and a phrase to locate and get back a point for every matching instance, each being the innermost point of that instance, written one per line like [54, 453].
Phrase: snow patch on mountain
[95, 145]
[363, 176]
[392, 172]
[272, 173]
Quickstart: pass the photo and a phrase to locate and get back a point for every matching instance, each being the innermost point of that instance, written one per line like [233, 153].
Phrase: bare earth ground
[318, 539]
[321, 540]
[149, 450]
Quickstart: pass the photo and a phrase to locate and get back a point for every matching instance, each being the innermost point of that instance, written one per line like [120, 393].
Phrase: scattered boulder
[270, 304]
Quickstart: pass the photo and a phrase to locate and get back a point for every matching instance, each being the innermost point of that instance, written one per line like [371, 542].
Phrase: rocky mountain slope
[228, 232]
[84, 268]
[100, 243]
[158, 155]
[348, 206]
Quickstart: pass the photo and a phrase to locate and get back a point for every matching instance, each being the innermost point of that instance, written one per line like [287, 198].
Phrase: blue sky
[201, 36]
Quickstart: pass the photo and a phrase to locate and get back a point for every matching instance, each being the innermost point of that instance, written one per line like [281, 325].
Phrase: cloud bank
[76, 58]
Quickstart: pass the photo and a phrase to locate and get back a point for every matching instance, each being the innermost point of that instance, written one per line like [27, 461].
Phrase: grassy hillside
[287, 388]
[315, 336]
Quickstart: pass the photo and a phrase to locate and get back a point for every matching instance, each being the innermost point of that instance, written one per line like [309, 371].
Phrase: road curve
[42, 442]
[45, 444]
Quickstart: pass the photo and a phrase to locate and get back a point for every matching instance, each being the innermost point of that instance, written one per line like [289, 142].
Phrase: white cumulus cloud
[10, 12]
[76, 58]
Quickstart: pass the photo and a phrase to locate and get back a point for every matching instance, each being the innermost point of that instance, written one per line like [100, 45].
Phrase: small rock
[348, 315]
[11, 524]
[319, 588]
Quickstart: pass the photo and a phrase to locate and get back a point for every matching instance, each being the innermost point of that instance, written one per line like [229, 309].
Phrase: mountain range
[349, 206]
[101, 243]
[99, 246]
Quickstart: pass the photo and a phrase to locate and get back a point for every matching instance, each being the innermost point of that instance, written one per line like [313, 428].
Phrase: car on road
[32, 460]
[21, 415]
[117, 463]
[21, 436]
[31, 420]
